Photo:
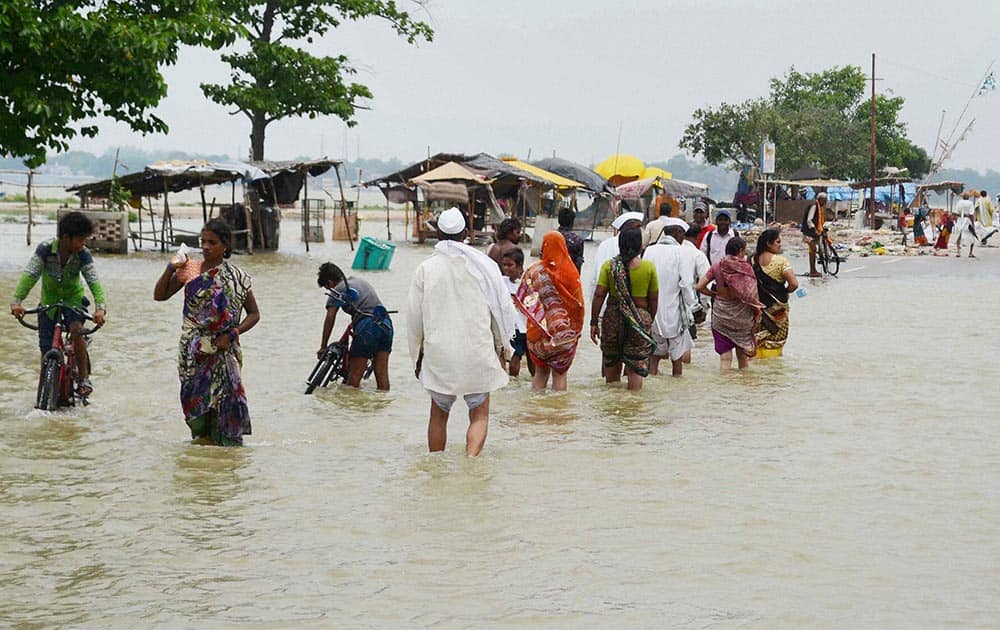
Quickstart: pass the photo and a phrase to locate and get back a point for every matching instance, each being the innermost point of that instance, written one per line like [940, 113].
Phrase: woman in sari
[919, 236]
[216, 294]
[944, 234]
[775, 280]
[625, 333]
[735, 308]
[551, 298]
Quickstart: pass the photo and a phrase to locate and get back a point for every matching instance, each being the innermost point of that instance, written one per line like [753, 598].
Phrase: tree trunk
[258, 124]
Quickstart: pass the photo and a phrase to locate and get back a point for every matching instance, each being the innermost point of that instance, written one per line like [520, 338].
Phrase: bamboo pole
[166, 215]
[27, 197]
[204, 209]
[305, 209]
[343, 206]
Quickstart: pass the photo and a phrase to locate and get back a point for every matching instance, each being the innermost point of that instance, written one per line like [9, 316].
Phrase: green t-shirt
[643, 279]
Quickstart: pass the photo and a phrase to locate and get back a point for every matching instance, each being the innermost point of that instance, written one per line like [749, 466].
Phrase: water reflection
[335, 514]
[206, 482]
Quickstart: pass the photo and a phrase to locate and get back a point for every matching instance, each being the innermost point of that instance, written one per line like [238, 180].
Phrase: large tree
[64, 63]
[820, 120]
[276, 78]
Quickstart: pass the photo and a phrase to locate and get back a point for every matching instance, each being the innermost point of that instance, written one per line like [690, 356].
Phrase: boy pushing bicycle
[60, 262]
[372, 328]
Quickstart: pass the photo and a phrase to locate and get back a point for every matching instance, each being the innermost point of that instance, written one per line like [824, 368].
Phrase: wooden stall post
[305, 209]
[343, 206]
[27, 196]
[166, 215]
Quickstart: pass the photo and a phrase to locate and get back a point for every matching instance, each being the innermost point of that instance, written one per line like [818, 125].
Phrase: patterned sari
[773, 293]
[551, 298]
[212, 394]
[626, 329]
[735, 317]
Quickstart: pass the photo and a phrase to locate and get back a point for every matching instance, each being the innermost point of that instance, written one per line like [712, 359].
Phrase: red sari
[551, 297]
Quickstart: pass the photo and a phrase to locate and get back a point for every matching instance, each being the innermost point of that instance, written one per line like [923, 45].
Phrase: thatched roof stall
[949, 188]
[520, 182]
[270, 181]
[591, 181]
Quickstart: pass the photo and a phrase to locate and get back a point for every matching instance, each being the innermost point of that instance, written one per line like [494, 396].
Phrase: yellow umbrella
[620, 168]
[654, 171]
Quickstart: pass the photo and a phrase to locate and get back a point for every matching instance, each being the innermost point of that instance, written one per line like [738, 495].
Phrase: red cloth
[551, 297]
[701, 235]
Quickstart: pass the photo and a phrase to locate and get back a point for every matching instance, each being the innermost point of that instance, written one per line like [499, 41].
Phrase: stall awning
[812, 183]
[556, 180]
[450, 172]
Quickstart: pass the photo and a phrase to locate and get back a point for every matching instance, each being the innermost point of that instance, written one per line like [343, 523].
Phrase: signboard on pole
[767, 158]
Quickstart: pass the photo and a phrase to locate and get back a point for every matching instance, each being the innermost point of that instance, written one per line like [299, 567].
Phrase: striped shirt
[60, 283]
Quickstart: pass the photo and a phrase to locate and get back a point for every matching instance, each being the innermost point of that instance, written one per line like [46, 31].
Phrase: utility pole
[871, 198]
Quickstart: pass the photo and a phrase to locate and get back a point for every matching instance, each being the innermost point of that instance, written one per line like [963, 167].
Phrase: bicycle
[826, 256]
[334, 362]
[57, 378]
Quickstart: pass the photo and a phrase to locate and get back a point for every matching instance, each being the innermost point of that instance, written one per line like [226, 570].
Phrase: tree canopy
[820, 120]
[62, 64]
[276, 78]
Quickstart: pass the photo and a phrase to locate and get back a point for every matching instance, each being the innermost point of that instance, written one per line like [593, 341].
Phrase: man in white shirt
[984, 217]
[654, 229]
[713, 245]
[701, 266]
[608, 248]
[675, 270]
[460, 319]
[964, 225]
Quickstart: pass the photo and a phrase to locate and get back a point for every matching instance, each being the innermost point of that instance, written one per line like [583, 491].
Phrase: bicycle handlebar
[62, 307]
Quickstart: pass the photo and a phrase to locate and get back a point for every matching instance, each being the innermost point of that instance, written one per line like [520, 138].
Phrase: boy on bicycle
[372, 328]
[60, 262]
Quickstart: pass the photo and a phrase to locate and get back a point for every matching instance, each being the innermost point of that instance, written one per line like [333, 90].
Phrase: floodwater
[853, 482]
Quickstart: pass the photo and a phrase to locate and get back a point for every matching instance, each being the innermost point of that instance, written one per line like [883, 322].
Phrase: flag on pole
[989, 84]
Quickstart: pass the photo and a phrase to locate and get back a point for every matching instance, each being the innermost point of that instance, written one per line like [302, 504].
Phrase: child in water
[512, 266]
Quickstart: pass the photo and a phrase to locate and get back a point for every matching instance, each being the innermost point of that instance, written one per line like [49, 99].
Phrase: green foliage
[815, 119]
[64, 63]
[118, 197]
[276, 78]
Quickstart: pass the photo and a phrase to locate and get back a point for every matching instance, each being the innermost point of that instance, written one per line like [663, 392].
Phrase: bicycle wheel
[337, 365]
[832, 260]
[47, 396]
[318, 375]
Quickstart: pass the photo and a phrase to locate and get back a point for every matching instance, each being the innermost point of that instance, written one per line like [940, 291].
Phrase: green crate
[373, 254]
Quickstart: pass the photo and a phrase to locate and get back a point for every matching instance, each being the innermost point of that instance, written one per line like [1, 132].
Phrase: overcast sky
[563, 76]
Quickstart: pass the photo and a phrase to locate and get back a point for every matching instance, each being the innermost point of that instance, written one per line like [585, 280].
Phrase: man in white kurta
[608, 248]
[675, 270]
[701, 267]
[460, 319]
[964, 225]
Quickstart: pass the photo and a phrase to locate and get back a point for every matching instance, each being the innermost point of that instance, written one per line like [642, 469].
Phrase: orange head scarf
[559, 266]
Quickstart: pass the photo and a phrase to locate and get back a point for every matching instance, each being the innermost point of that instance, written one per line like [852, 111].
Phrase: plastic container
[181, 256]
[801, 292]
[185, 268]
[768, 353]
[373, 254]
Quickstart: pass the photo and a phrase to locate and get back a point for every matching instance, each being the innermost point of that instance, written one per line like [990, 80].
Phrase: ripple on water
[850, 482]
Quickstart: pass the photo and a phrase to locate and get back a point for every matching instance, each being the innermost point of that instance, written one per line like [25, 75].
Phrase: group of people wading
[644, 307]
[472, 317]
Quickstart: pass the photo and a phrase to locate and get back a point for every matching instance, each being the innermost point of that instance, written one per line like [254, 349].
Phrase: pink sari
[735, 316]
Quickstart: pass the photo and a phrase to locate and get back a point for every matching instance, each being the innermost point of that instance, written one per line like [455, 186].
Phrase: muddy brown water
[852, 482]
